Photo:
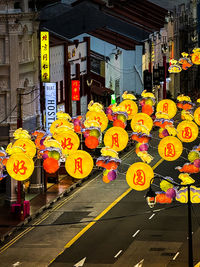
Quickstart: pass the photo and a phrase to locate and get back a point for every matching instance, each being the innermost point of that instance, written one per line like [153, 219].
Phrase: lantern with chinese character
[139, 176]
[195, 56]
[19, 166]
[170, 148]
[116, 138]
[79, 164]
[142, 118]
[197, 116]
[168, 107]
[130, 106]
[187, 131]
[63, 119]
[27, 145]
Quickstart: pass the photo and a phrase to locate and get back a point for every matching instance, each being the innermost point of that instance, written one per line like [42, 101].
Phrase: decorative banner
[75, 90]
[170, 148]
[116, 138]
[19, 166]
[197, 116]
[130, 107]
[187, 131]
[143, 118]
[27, 145]
[79, 164]
[98, 116]
[69, 142]
[44, 47]
[60, 122]
[167, 106]
[50, 104]
[139, 176]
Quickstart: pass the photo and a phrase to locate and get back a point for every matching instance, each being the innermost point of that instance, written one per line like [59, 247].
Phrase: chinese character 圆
[66, 143]
[187, 133]
[139, 177]
[115, 140]
[78, 165]
[19, 167]
[170, 150]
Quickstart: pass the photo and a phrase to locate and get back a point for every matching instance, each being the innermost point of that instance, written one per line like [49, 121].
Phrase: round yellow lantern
[170, 148]
[28, 146]
[130, 107]
[100, 117]
[79, 164]
[69, 142]
[116, 138]
[60, 122]
[195, 57]
[187, 131]
[139, 176]
[144, 119]
[19, 166]
[197, 116]
[167, 106]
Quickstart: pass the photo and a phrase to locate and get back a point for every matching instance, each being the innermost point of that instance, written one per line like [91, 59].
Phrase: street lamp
[151, 200]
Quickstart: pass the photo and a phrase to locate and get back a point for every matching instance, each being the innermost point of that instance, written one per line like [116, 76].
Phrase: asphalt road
[128, 233]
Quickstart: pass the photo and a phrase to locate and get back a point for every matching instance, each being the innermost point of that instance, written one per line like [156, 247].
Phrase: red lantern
[50, 165]
[147, 109]
[91, 142]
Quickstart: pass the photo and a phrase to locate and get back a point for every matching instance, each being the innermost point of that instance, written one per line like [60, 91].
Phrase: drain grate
[170, 254]
[157, 249]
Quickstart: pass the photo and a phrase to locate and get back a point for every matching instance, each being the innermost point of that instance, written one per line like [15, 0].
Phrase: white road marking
[118, 253]
[175, 256]
[80, 263]
[151, 216]
[16, 264]
[136, 233]
[139, 264]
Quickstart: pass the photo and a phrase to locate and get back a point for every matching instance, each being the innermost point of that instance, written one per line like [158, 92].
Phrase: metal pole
[190, 251]
[19, 125]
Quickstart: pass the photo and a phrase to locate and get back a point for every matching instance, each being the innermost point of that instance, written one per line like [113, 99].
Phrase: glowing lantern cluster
[184, 102]
[147, 102]
[109, 160]
[166, 124]
[175, 67]
[182, 194]
[128, 105]
[195, 56]
[185, 61]
[78, 124]
[92, 132]
[119, 116]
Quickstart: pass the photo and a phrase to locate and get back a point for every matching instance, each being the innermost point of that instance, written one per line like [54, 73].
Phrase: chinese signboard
[75, 90]
[50, 103]
[44, 46]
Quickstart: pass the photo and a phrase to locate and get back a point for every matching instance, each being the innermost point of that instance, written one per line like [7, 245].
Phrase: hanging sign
[19, 166]
[130, 107]
[116, 138]
[170, 148]
[100, 117]
[69, 142]
[144, 119]
[187, 131]
[28, 146]
[75, 90]
[44, 48]
[167, 106]
[79, 164]
[197, 116]
[50, 104]
[139, 175]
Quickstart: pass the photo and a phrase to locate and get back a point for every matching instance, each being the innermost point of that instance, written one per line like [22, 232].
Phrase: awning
[101, 91]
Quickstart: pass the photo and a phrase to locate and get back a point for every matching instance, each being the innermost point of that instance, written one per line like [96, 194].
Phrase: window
[117, 86]
[95, 65]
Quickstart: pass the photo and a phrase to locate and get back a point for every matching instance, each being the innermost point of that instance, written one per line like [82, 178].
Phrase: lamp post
[151, 200]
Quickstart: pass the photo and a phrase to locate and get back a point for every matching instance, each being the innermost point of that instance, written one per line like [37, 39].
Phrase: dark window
[17, 5]
[61, 91]
[96, 65]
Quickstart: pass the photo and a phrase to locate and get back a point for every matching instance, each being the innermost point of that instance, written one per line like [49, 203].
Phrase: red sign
[75, 90]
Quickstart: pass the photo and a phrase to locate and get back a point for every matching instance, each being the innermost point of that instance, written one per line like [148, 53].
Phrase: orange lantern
[187, 131]
[91, 142]
[116, 138]
[195, 57]
[139, 176]
[167, 106]
[100, 117]
[50, 165]
[19, 166]
[79, 164]
[170, 148]
[130, 107]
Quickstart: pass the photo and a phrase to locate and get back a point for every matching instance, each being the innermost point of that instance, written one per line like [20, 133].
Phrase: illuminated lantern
[69, 142]
[139, 176]
[147, 109]
[164, 185]
[187, 131]
[53, 154]
[91, 142]
[116, 138]
[79, 164]
[175, 67]
[163, 199]
[27, 145]
[193, 155]
[170, 148]
[100, 117]
[130, 107]
[195, 57]
[167, 106]
[60, 122]
[197, 116]
[143, 118]
[119, 123]
[105, 179]
[182, 195]
[94, 133]
[19, 166]
[50, 165]
[171, 193]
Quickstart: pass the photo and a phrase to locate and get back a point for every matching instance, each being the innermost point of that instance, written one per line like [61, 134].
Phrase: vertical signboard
[75, 90]
[44, 47]
[50, 104]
